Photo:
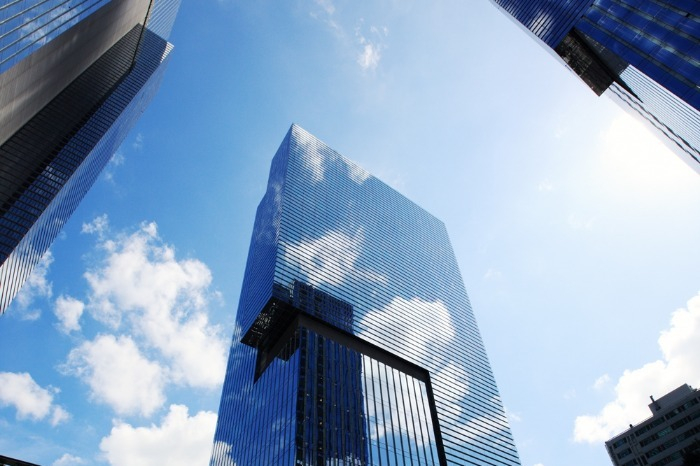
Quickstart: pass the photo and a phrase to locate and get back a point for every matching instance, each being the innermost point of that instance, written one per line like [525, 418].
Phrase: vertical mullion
[429, 424]
[405, 415]
[371, 424]
[401, 450]
[417, 418]
[381, 403]
[390, 383]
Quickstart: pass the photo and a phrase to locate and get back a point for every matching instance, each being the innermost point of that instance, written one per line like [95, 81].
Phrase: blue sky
[575, 230]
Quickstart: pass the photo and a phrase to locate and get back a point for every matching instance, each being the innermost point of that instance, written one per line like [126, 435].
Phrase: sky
[575, 230]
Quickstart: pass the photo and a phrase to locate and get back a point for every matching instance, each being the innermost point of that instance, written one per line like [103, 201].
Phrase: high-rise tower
[75, 77]
[645, 53]
[355, 343]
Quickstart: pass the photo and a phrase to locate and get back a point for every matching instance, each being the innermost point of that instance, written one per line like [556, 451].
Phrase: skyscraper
[76, 76]
[645, 53]
[355, 342]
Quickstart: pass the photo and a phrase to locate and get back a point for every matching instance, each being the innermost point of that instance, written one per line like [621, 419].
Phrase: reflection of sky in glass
[326, 222]
[27, 25]
[398, 413]
[549, 20]
[330, 259]
[660, 40]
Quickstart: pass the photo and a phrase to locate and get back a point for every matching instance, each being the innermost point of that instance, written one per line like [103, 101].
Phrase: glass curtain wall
[382, 362]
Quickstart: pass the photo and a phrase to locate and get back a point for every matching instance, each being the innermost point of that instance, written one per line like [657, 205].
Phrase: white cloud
[450, 380]
[601, 382]
[326, 5]
[142, 286]
[36, 30]
[358, 174]
[370, 45]
[138, 142]
[221, 454]
[392, 316]
[545, 186]
[30, 315]
[512, 417]
[139, 273]
[117, 160]
[370, 48]
[330, 259]
[395, 395]
[20, 391]
[326, 14]
[179, 440]
[118, 374]
[68, 460]
[492, 274]
[540, 20]
[455, 377]
[36, 286]
[313, 160]
[59, 415]
[68, 311]
[423, 345]
[481, 427]
[99, 225]
[680, 363]
[138, 287]
[369, 57]
[196, 351]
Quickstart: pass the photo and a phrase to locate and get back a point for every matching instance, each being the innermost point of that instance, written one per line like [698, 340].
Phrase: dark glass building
[646, 53]
[76, 76]
[355, 343]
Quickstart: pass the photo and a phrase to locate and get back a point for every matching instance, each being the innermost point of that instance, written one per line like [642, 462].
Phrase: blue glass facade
[660, 39]
[48, 165]
[646, 51]
[549, 20]
[355, 342]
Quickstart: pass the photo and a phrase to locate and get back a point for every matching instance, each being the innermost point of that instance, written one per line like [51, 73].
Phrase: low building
[669, 437]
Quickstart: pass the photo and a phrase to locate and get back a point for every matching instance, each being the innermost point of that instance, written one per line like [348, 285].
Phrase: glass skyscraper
[355, 342]
[645, 52]
[75, 77]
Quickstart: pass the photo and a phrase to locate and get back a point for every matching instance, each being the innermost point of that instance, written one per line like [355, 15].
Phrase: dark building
[355, 342]
[645, 53]
[75, 78]
[7, 461]
[671, 436]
